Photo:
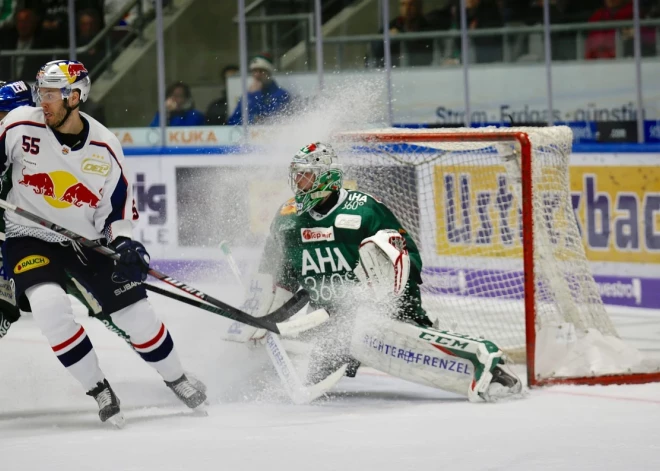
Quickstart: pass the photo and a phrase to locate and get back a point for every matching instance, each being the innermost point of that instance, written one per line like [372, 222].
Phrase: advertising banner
[190, 203]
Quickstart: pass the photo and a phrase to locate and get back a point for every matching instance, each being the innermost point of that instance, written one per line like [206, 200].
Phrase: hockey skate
[504, 385]
[191, 394]
[108, 404]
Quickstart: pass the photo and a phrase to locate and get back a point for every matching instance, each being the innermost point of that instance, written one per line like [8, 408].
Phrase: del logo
[95, 167]
[60, 189]
[28, 263]
[317, 234]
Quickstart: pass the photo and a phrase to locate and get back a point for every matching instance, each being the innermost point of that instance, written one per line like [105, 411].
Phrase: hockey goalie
[359, 264]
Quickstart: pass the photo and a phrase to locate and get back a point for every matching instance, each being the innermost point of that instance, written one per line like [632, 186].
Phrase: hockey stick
[283, 328]
[224, 310]
[294, 387]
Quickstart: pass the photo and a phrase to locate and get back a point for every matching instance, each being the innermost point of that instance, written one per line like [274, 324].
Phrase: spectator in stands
[54, 20]
[601, 44]
[216, 113]
[265, 98]
[26, 35]
[484, 14]
[411, 19]
[89, 25]
[180, 107]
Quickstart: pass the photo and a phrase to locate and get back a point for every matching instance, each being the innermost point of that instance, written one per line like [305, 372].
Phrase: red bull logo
[61, 189]
[75, 69]
[72, 70]
[79, 194]
[41, 183]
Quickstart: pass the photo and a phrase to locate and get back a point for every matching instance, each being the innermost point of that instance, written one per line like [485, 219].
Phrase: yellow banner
[618, 211]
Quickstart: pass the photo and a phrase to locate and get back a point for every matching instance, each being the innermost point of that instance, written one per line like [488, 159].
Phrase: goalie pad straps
[384, 263]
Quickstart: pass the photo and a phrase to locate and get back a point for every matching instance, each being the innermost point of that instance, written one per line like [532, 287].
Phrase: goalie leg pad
[442, 359]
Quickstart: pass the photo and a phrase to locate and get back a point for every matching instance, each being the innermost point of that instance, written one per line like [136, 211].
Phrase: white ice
[368, 423]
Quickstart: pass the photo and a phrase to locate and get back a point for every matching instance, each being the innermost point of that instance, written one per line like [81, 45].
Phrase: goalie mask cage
[491, 212]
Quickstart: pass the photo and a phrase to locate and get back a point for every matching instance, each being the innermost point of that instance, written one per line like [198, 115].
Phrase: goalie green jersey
[319, 251]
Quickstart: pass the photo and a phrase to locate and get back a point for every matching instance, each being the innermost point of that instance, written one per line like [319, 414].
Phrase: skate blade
[117, 420]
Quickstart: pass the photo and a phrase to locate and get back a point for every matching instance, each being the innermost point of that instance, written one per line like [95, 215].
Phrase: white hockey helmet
[66, 76]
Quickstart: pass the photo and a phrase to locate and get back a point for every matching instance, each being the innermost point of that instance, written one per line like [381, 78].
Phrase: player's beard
[57, 119]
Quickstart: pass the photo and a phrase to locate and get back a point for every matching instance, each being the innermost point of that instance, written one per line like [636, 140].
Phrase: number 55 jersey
[83, 188]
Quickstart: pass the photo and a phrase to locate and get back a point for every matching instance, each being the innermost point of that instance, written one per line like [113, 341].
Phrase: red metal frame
[528, 243]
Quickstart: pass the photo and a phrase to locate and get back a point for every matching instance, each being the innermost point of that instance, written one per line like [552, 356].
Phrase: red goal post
[545, 292]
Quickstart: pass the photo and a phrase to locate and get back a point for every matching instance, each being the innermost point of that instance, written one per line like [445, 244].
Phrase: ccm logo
[317, 234]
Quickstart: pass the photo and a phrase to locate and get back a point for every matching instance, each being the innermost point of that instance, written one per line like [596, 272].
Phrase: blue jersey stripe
[77, 353]
[159, 353]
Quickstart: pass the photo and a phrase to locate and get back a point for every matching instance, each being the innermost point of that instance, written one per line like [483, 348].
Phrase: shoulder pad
[289, 207]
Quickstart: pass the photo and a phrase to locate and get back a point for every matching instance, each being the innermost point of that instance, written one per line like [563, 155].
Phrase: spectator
[601, 44]
[410, 19]
[485, 14]
[265, 98]
[26, 35]
[180, 107]
[89, 25]
[216, 113]
[54, 20]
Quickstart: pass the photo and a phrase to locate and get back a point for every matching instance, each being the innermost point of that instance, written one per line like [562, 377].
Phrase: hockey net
[503, 258]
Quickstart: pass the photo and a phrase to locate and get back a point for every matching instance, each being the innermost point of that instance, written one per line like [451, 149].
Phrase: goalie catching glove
[384, 263]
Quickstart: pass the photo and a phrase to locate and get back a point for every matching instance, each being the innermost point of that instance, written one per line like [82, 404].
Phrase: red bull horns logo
[60, 189]
[72, 70]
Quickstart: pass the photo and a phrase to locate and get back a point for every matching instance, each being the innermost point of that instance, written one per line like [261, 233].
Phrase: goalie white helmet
[317, 163]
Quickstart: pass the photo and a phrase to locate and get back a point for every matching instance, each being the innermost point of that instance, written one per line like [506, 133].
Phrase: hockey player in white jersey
[69, 169]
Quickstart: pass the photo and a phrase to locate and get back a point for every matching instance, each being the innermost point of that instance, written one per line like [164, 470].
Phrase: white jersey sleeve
[116, 211]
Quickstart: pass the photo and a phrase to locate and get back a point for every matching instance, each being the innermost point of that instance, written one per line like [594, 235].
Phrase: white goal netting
[461, 194]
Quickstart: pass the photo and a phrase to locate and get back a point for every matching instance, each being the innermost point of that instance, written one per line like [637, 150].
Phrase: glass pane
[593, 76]
[128, 99]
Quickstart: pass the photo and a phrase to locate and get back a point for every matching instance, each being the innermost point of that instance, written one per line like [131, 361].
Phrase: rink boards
[190, 203]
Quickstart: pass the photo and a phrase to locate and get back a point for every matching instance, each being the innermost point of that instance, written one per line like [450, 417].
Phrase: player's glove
[133, 262]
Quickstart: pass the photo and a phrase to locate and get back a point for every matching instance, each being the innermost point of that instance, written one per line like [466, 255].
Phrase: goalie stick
[294, 387]
[224, 310]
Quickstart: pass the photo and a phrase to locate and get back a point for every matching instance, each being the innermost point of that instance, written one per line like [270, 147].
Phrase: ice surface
[370, 422]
